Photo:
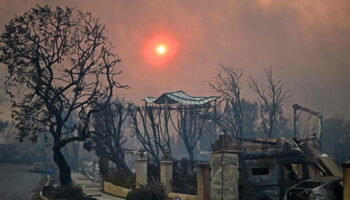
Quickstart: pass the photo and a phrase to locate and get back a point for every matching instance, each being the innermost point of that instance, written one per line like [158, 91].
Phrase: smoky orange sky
[307, 44]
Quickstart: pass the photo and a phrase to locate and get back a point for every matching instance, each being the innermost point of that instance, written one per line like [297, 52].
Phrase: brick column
[166, 174]
[141, 172]
[346, 180]
[203, 181]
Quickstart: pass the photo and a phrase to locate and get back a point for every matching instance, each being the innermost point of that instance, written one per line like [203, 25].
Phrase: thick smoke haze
[306, 43]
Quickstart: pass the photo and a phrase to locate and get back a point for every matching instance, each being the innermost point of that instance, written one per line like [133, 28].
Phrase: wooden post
[145, 112]
[346, 180]
[166, 174]
[141, 172]
[295, 119]
[102, 185]
[203, 181]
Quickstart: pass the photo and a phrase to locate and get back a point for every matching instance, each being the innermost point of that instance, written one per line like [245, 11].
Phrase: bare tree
[151, 127]
[109, 126]
[270, 99]
[227, 85]
[190, 125]
[59, 62]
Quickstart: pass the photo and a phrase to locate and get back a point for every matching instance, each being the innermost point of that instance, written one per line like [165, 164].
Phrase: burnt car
[37, 167]
[266, 168]
[320, 188]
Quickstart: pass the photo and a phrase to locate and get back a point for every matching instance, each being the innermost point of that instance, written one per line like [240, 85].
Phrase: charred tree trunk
[117, 155]
[103, 164]
[65, 171]
[191, 157]
[121, 161]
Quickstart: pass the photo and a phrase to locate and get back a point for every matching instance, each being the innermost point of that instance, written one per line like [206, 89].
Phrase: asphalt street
[16, 182]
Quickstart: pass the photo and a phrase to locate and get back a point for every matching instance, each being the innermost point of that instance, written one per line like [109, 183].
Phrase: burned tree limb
[270, 99]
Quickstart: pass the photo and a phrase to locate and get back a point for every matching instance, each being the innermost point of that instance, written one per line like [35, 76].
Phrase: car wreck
[322, 188]
[267, 168]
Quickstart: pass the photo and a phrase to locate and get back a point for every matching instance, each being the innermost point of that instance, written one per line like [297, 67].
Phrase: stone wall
[115, 190]
[166, 179]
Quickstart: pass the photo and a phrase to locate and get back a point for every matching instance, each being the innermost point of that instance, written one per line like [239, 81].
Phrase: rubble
[263, 168]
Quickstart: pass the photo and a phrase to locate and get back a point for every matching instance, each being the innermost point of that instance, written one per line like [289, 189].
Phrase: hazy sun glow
[160, 49]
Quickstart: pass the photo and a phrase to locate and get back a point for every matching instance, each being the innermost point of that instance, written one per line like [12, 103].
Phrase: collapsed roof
[180, 97]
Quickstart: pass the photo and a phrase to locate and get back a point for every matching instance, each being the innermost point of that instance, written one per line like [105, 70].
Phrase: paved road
[16, 182]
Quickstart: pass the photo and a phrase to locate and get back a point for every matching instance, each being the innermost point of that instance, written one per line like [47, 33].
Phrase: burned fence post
[166, 174]
[141, 172]
[203, 181]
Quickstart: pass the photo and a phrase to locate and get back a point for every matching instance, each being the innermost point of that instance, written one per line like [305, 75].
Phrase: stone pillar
[203, 181]
[166, 174]
[224, 176]
[346, 180]
[141, 172]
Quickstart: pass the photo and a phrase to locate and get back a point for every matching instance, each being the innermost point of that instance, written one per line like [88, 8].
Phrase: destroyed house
[257, 169]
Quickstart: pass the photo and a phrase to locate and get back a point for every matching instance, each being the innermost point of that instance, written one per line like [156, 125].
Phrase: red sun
[160, 49]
